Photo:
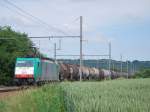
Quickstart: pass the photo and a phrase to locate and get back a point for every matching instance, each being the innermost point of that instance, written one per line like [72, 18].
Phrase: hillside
[133, 66]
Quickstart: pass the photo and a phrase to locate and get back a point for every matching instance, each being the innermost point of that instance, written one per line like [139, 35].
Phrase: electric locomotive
[35, 70]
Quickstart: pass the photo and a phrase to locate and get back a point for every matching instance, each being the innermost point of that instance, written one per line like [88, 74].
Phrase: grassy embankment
[45, 99]
[107, 96]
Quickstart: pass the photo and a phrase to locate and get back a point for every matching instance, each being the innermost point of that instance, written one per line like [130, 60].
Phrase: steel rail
[13, 88]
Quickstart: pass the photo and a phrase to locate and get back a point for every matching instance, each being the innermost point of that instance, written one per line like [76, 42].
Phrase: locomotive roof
[33, 58]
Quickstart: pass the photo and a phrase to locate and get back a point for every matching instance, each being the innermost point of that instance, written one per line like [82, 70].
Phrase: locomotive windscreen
[24, 69]
[27, 63]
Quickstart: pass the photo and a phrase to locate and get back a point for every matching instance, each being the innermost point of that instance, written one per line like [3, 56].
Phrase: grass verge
[45, 99]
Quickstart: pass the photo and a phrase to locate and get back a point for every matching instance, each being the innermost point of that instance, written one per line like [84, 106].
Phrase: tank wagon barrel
[85, 73]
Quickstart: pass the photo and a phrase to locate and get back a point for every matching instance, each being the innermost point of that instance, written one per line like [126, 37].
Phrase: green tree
[18, 45]
[145, 73]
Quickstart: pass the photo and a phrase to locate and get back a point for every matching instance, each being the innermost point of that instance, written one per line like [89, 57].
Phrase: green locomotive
[35, 70]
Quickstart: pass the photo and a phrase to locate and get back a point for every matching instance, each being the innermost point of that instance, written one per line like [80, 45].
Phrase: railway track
[13, 88]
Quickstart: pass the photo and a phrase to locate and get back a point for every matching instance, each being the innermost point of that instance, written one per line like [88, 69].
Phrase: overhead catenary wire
[24, 16]
[17, 12]
[67, 26]
[35, 18]
[73, 21]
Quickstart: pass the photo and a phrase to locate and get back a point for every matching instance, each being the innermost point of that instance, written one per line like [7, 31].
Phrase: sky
[124, 23]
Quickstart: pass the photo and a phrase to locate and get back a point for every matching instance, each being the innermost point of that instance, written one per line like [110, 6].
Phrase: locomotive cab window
[24, 64]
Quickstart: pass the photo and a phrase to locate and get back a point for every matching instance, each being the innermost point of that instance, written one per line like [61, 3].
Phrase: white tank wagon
[105, 73]
[91, 73]
[85, 72]
[114, 75]
[101, 74]
[95, 74]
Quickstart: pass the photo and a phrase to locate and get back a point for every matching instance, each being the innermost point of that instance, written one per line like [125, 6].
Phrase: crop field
[122, 95]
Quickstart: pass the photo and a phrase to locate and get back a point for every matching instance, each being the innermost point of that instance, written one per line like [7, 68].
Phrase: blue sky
[125, 23]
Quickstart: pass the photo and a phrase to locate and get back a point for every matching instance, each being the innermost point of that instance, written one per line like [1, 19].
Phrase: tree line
[12, 45]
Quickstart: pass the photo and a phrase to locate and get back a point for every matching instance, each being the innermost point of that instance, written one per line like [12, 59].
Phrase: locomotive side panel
[50, 71]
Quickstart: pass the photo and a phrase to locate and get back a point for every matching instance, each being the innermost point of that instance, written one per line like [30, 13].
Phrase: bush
[17, 45]
[143, 74]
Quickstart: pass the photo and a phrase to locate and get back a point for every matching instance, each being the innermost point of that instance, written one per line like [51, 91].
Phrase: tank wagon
[35, 70]
[71, 72]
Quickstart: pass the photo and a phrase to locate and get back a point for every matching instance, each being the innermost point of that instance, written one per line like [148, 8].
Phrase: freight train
[37, 70]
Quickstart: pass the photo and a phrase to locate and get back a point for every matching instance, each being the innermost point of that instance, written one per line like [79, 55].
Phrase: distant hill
[133, 66]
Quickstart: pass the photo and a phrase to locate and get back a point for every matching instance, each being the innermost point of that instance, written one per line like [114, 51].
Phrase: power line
[67, 26]
[15, 11]
[48, 37]
[25, 16]
[35, 18]
[75, 20]
[26, 13]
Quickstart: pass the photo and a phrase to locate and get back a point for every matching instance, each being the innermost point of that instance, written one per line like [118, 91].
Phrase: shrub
[143, 74]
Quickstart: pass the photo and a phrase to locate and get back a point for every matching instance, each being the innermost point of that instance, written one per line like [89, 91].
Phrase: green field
[107, 96]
